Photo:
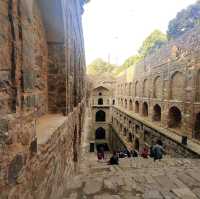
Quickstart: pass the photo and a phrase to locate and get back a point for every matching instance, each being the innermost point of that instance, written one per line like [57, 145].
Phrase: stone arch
[113, 102]
[121, 127]
[157, 88]
[129, 89]
[157, 113]
[145, 109]
[137, 107]
[100, 101]
[130, 137]
[100, 133]
[130, 105]
[198, 86]
[125, 132]
[125, 104]
[145, 88]
[137, 144]
[100, 116]
[137, 89]
[177, 86]
[174, 117]
[75, 150]
[197, 127]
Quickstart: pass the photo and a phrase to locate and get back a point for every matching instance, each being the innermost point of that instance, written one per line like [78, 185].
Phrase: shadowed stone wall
[42, 71]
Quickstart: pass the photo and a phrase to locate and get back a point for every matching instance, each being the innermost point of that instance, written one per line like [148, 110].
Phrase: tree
[99, 66]
[128, 62]
[153, 42]
[185, 20]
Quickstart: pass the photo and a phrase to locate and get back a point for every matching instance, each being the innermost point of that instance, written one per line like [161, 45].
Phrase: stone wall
[134, 132]
[115, 142]
[42, 70]
[43, 174]
[168, 78]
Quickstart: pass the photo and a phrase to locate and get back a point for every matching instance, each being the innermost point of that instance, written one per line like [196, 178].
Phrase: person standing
[158, 150]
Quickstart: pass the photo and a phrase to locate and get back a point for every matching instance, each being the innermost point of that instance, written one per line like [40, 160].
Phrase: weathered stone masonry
[162, 101]
[165, 87]
[42, 67]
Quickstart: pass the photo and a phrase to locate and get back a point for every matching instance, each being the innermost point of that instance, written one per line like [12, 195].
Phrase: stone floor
[133, 178]
[136, 179]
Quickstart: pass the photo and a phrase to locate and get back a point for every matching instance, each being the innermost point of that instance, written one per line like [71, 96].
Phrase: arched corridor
[137, 144]
[137, 107]
[145, 110]
[100, 101]
[174, 118]
[130, 105]
[126, 104]
[197, 127]
[157, 113]
[100, 133]
[100, 116]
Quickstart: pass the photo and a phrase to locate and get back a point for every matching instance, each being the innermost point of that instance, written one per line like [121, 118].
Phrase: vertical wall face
[23, 59]
[41, 70]
[23, 71]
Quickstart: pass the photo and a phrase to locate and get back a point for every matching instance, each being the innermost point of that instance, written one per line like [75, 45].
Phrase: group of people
[156, 152]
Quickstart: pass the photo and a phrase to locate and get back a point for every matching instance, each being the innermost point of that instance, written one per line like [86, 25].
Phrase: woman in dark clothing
[114, 159]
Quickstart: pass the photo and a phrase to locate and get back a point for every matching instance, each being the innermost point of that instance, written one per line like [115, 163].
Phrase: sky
[115, 29]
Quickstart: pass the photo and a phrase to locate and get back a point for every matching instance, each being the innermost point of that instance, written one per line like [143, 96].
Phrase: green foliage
[184, 21]
[153, 42]
[128, 62]
[99, 66]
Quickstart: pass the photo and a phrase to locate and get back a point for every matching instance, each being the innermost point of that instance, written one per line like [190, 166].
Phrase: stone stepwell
[135, 178]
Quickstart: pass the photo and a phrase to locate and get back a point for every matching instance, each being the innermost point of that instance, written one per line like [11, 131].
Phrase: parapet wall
[42, 71]
[43, 175]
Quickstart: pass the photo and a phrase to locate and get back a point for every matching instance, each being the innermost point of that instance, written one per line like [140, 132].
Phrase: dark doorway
[197, 127]
[75, 151]
[130, 137]
[100, 133]
[145, 109]
[137, 107]
[157, 113]
[137, 129]
[100, 116]
[100, 101]
[113, 102]
[174, 117]
[137, 145]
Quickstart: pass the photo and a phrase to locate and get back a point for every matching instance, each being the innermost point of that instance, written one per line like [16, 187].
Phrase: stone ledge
[192, 146]
[47, 125]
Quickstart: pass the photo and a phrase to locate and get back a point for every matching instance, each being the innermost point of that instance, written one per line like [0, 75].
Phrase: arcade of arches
[161, 102]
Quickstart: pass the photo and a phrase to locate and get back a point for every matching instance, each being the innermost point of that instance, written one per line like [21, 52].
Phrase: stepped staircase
[135, 178]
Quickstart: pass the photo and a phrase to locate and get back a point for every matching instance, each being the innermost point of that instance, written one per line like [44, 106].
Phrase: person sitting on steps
[114, 159]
